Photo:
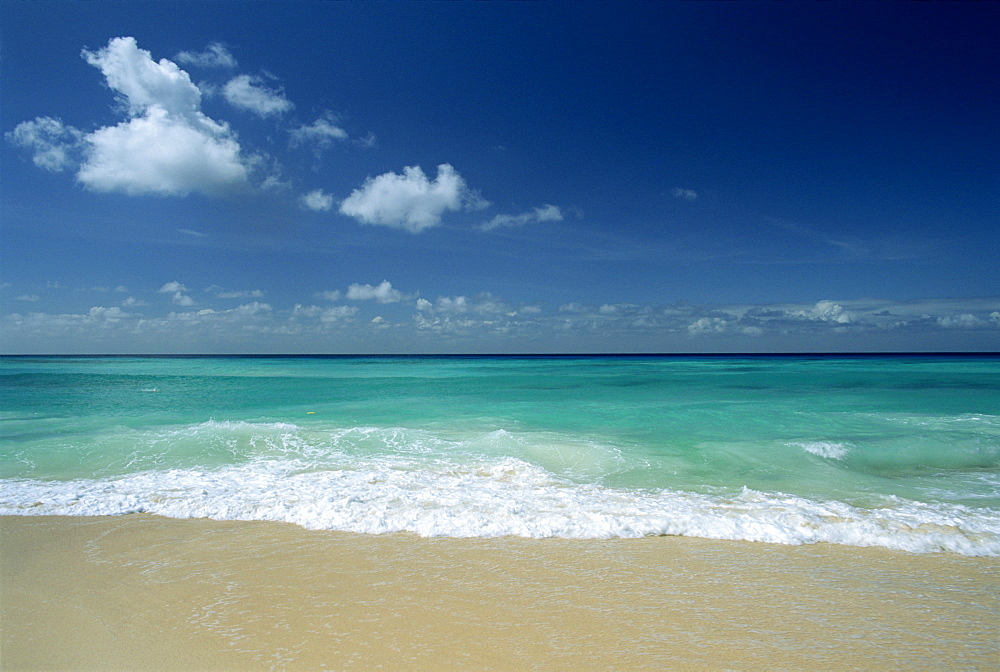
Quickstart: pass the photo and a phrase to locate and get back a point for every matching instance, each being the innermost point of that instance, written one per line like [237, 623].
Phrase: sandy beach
[142, 592]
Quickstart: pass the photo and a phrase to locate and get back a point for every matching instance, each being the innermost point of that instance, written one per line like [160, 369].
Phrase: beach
[144, 592]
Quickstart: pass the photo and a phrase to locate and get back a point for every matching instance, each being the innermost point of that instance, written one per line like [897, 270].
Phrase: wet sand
[141, 592]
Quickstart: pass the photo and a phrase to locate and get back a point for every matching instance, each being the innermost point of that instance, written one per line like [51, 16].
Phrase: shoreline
[144, 592]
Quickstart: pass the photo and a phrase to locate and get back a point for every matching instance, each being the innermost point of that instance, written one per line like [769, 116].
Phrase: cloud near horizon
[462, 323]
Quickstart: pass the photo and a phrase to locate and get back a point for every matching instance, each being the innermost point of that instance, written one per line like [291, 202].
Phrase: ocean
[901, 452]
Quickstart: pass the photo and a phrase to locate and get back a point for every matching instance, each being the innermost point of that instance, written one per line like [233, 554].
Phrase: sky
[423, 177]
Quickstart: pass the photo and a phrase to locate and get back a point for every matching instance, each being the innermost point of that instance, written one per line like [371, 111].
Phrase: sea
[893, 451]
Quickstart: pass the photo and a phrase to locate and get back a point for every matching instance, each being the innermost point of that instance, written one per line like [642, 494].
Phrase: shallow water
[901, 452]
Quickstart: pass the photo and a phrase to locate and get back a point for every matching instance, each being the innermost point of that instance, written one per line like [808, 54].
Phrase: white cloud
[410, 201]
[28, 297]
[253, 308]
[707, 325]
[177, 289]
[172, 287]
[320, 134]
[824, 311]
[162, 155]
[684, 194]
[52, 142]
[142, 83]
[328, 295]
[317, 200]
[250, 93]
[168, 147]
[457, 304]
[221, 293]
[214, 56]
[334, 314]
[112, 314]
[963, 321]
[383, 293]
[546, 213]
[424, 304]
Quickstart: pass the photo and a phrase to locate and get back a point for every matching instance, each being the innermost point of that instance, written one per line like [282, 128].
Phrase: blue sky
[344, 177]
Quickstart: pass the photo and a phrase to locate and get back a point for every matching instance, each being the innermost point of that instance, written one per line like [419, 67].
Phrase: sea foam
[500, 497]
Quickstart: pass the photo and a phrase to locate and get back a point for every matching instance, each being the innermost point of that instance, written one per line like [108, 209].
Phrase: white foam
[827, 449]
[463, 497]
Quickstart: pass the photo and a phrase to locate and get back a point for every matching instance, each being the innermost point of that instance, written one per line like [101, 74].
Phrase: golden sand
[142, 592]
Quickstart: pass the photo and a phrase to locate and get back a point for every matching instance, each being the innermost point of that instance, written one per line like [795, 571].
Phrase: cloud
[54, 144]
[707, 325]
[963, 321]
[221, 293]
[334, 314]
[317, 200]
[684, 194]
[383, 293]
[328, 295]
[177, 289]
[320, 134]
[249, 93]
[826, 311]
[214, 56]
[168, 147]
[172, 287]
[141, 83]
[484, 304]
[161, 155]
[410, 200]
[546, 213]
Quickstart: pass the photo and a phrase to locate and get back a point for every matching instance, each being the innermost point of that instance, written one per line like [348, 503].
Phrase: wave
[499, 497]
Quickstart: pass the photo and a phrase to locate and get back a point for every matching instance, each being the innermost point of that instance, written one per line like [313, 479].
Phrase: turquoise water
[902, 452]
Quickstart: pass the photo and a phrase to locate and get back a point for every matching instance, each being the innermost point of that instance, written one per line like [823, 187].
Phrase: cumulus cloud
[161, 155]
[167, 147]
[317, 200]
[172, 287]
[250, 93]
[826, 311]
[684, 194]
[963, 321]
[383, 293]
[53, 144]
[707, 325]
[214, 56]
[546, 213]
[410, 200]
[177, 289]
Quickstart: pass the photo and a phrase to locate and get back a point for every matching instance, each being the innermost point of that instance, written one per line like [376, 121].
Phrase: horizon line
[495, 355]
